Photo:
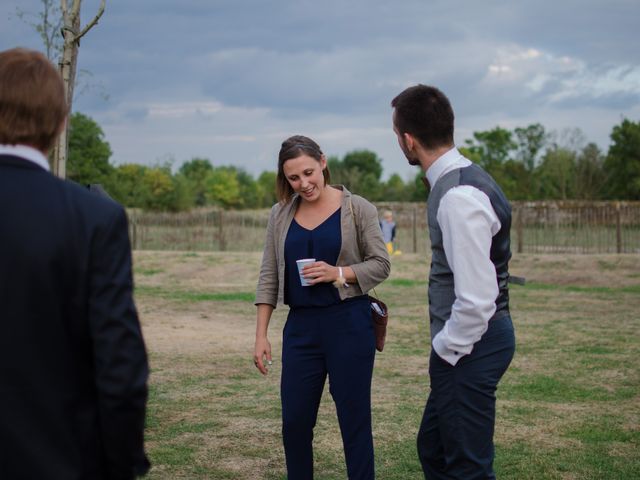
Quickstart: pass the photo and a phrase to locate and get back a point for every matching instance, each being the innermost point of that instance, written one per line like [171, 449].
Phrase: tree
[623, 161]
[159, 188]
[590, 173]
[195, 172]
[360, 172]
[516, 181]
[72, 34]
[127, 184]
[491, 148]
[266, 185]
[364, 161]
[249, 194]
[518, 174]
[557, 173]
[529, 144]
[89, 152]
[337, 170]
[395, 190]
[223, 188]
[419, 187]
[162, 191]
[47, 25]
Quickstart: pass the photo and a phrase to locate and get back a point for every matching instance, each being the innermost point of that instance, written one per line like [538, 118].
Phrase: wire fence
[537, 227]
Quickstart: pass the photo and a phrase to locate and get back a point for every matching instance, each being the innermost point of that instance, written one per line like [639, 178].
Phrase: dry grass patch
[568, 406]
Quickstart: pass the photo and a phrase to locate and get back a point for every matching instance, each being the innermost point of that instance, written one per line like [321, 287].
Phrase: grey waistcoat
[441, 287]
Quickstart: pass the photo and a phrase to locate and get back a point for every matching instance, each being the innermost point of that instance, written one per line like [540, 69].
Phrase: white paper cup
[301, 263]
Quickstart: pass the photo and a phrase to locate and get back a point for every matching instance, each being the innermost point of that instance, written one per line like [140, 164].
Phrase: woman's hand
[262, 351]
[320, 272]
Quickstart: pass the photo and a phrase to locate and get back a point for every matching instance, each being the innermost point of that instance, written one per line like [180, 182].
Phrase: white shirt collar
[442, 164]
[27, 153]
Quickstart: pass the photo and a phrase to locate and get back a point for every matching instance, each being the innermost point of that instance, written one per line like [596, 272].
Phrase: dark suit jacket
[73, 366]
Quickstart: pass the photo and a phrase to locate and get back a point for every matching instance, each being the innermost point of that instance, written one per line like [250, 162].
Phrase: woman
[328, 329]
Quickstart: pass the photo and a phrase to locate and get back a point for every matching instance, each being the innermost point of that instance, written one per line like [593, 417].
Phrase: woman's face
[304, 174]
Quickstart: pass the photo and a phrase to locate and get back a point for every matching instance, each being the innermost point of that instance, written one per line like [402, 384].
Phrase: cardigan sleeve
[267, 289]
[375, 265]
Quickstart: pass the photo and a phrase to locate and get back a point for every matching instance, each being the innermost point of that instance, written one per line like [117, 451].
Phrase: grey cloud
[613, 101]
[331, 68]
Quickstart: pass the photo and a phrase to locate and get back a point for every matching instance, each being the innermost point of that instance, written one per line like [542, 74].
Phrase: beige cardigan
[369, 259]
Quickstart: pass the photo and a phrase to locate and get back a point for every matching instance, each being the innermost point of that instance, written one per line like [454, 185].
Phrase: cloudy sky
[230, 79]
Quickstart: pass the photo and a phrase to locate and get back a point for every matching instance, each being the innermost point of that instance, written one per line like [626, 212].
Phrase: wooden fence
[537, 227]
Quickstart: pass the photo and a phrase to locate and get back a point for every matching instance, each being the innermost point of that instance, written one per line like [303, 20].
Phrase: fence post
[618, 229]
[134, 233]
[519, 228]
[221, 239]
[415, 229]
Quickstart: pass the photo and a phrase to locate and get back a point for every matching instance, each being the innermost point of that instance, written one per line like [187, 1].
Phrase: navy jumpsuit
[324, 336]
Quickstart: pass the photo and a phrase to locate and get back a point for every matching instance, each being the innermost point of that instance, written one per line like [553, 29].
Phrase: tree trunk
[68, 66]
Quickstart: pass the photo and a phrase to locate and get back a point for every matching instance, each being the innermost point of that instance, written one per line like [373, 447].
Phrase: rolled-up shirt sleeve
[468, 223]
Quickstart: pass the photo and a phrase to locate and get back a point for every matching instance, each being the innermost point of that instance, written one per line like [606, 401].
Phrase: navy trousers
[455, 440]
[337, 341]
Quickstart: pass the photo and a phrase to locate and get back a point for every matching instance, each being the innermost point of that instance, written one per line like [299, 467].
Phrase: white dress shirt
[468, 223]
[27, 153]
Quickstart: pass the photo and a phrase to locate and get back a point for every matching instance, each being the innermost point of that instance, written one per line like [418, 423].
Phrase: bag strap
[355, 224]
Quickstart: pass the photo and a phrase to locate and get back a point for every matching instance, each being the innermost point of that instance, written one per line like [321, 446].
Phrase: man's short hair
[424, 112]
[32, 99]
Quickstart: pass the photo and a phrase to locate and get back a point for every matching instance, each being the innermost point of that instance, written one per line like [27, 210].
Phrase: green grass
[190, 296]
[635, 289]
[568, 407]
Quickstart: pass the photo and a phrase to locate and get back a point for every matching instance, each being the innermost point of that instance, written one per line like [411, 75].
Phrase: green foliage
[223, 187]
[528, 163]
[249, 193]
[364, 161]
[162, 191]
[529, 143]
[360, 172]
[590, 173]
[126, 185]
[266, 186]
[89, 153]
[623, 161]
[557, 173]
[515, 180]
[195, 172]
[491, 147]
[395, 188]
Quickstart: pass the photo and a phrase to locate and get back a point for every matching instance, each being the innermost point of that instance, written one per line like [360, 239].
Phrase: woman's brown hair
[294, 147]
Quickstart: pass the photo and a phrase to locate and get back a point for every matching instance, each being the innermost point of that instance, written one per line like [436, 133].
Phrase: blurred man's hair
[32, 99]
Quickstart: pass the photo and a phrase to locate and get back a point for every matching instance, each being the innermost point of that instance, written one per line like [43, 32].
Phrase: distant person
[388, 227]
[329, 328]
[73, 366]
[472, 334]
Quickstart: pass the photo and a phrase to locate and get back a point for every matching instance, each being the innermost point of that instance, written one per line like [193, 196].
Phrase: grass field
[568, 407]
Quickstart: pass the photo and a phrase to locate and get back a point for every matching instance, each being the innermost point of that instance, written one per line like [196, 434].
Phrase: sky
[229, 80]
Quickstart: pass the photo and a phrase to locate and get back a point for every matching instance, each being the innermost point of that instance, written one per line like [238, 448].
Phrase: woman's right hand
[262, 351]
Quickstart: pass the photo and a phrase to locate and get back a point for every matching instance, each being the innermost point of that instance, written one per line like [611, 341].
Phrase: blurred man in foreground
[73, 365]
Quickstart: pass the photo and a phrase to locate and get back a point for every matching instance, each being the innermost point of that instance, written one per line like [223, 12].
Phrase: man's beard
[412, 158]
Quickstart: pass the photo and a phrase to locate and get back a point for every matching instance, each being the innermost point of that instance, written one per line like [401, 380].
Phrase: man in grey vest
[472, 335]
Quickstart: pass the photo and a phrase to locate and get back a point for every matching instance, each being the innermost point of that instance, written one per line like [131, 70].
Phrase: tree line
[528, 162]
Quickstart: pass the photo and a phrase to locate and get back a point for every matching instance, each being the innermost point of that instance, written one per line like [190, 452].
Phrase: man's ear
[409, 141]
